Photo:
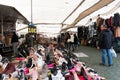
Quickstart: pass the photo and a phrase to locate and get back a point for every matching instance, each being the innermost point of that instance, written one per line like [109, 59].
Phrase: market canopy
[64, 13]
[10, 14]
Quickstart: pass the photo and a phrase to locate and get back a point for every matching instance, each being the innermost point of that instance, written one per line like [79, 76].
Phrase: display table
[5, 49]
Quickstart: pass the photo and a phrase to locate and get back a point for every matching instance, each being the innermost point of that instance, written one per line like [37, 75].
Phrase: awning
[66, 13]
[95, 7]
[10, 14]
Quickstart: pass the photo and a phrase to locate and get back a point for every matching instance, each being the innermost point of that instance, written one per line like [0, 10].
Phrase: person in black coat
[106, 39]
[14, 42]
[75, 41]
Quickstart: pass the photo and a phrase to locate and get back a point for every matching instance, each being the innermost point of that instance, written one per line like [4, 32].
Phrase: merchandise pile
[50, 63]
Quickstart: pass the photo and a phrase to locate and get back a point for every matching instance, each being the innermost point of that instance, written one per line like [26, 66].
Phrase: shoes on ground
[105, 65]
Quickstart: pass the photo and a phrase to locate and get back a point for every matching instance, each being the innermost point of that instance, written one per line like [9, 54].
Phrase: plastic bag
[113, 52]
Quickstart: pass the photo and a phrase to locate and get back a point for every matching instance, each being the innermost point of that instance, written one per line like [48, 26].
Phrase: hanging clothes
[117, 32]
[116, 19]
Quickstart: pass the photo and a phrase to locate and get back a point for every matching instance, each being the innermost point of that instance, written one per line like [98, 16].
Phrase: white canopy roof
[62, 12]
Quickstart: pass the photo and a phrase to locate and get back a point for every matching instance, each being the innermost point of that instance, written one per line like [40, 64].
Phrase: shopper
[105, 43]
[76, 42]
[71, 42]
[14, 42]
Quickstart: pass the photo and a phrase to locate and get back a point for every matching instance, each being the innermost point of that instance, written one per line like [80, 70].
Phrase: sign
[32, 30]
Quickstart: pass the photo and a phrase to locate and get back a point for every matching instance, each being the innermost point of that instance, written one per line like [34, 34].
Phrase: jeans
[106, 53]
[15, 49]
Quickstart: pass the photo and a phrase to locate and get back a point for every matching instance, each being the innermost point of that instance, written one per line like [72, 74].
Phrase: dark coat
[14, 38]
[106, 39]
[75, 39]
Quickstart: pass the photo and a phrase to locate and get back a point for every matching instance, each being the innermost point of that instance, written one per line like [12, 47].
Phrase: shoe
[102, 64]
[69, 64]
[51, 65]
[110, 65]
[64, 67]
[47, 59]
[72, 70]
[54, 70]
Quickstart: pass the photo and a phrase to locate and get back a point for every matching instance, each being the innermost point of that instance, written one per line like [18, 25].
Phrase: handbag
[113, 52]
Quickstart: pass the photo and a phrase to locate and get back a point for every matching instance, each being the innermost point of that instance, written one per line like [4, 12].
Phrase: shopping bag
[113, 52]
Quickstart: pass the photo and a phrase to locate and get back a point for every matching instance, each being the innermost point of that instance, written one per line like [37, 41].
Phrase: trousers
[106, 54]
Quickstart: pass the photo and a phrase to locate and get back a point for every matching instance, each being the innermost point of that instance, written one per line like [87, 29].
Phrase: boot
[54, 70]
[69, 64]
[47, 59]
[64, 67]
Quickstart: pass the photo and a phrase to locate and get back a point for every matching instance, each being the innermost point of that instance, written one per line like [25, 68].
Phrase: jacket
[106, 39]
[14, 38]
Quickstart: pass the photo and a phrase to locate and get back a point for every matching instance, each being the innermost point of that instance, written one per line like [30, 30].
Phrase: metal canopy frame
[87, 12]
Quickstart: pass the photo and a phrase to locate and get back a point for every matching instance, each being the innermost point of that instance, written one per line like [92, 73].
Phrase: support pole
[31, 11]
[2, 27]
